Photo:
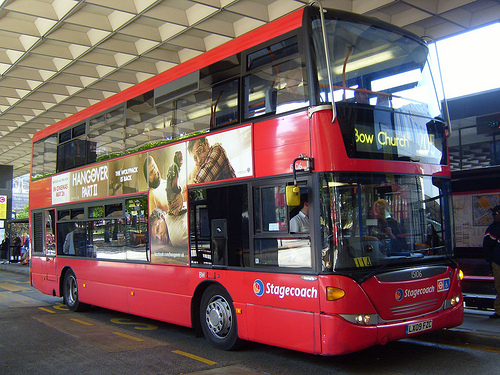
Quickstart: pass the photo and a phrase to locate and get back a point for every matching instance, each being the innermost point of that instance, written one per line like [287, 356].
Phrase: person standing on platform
[491, 252]
[5, 249]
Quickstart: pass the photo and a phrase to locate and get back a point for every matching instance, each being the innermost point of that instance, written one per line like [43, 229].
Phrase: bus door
[48, 261]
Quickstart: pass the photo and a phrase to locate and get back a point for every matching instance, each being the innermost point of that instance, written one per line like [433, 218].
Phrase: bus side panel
[105, 295]
[174, 308]
[39, 275]
[43, 275]
[280, 140]
[276, 309]
[40, 193]
[296, 330]
[154, 291]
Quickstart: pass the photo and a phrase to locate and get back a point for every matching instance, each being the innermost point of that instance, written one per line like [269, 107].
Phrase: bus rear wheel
[70, 292]
[218, 318]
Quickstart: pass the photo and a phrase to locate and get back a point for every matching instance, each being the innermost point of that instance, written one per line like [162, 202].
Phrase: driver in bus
[300, 222]
[388, 227]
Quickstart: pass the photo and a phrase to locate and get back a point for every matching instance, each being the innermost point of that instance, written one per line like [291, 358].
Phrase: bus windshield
[369, 219]
[374, 66]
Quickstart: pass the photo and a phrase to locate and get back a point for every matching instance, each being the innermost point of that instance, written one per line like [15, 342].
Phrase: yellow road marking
[128, 336]
[207, 361]
[12, 287]
[47, 310]
[82, 322]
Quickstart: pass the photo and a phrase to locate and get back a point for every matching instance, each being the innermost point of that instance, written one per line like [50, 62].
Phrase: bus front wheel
[218, 318]
[70, 292]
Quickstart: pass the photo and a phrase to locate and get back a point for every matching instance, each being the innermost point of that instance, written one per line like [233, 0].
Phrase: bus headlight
[362, 319]
[333, 294]
[452, 302]
[460, 275]
[366, 319]
[455, 301]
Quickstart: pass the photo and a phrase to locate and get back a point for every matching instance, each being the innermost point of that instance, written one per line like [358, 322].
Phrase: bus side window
[275, 243]
[219, 226]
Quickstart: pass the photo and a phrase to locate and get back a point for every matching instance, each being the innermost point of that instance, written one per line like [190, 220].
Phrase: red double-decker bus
[290, 187]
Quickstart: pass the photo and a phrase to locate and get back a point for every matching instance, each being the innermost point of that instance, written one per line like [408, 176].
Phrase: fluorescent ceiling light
[365, 62]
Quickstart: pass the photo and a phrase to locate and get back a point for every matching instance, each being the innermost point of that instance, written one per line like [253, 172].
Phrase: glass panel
[107, 135]
[283, 252]
[383, 67]
[193, 113]
[72, 239]
[373, 218]
[78, 131]
[276, 89]
[63, 215]
[44, 157]
[225, 97]
[219, 229]
[137, 215]
[96, 212]
[272, 53]
[147, 123]
[77, 214]
[71, 154]
[274, 209]
[50, 239]
[65, 136]
[113, 210]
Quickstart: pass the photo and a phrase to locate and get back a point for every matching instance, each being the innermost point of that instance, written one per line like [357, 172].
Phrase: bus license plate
[418, 327]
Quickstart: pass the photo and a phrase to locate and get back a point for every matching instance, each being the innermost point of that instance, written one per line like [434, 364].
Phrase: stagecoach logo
[258, 288]
[413, 293]
[399, 294]
[283, 291]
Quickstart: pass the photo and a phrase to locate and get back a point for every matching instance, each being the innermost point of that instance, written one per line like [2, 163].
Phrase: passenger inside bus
[389, 228]
[361, 96]
[75, 241]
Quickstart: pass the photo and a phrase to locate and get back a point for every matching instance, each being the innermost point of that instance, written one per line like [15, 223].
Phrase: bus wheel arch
[217, 317]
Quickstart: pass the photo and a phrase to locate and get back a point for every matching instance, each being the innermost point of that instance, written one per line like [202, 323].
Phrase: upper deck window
[272, 53]
[389, 68]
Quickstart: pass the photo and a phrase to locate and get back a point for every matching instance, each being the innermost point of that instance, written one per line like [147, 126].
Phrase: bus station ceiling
[58, 57]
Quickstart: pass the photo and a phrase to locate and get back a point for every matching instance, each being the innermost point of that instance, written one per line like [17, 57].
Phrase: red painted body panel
[40, 194]
[277, 142]
[335, 343]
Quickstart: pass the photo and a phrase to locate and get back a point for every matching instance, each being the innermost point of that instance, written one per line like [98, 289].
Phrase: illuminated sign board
[387, 135]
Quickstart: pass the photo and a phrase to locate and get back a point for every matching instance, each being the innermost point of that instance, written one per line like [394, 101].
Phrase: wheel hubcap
[72, 291]
[218, 316]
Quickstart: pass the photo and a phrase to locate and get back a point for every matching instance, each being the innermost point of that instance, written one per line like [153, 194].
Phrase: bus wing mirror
[292, 195]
